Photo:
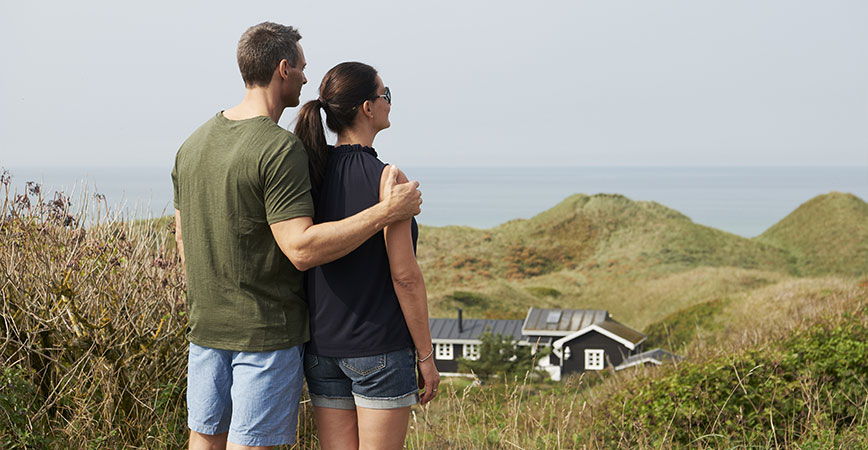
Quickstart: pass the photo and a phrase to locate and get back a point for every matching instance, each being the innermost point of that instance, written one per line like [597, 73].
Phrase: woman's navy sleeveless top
[354, 310]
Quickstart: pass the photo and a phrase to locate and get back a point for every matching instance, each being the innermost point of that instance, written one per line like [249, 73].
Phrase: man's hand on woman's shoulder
[401, 196]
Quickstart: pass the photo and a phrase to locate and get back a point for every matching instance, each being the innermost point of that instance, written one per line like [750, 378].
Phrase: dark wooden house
[580, 339]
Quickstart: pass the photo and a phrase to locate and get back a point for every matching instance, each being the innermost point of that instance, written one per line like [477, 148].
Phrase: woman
[369, 309]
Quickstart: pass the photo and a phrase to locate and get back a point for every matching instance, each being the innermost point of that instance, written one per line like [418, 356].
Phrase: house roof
[655, 356]
[560, 322]
[447, 329]
[616, 331]
[622, 330]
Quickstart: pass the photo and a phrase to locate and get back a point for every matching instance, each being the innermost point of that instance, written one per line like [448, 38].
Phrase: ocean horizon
[741, 200]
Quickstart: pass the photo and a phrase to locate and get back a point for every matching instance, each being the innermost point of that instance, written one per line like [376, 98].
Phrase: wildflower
[5, 177]
[33, 188]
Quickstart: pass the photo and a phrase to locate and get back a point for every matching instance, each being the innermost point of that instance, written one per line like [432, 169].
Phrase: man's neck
[258, 101]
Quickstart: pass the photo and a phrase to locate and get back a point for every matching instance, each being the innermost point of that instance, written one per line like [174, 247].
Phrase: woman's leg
[336, 428]
[382, 428]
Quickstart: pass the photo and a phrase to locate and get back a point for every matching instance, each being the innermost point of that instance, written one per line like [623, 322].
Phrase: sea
[741, 200]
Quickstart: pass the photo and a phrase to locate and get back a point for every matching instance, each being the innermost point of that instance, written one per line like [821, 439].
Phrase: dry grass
[92, 328]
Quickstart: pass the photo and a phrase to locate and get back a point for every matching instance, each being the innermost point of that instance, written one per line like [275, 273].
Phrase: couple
[284, 240]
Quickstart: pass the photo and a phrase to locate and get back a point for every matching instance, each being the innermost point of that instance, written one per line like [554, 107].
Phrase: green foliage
[171, 431]
[19, 400]
[498, 356]
[678, 329]
[540, 291]
[470, 299]
[814, 379]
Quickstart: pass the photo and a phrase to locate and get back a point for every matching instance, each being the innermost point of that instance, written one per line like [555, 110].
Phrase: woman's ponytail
[309, 129]
[344, 87]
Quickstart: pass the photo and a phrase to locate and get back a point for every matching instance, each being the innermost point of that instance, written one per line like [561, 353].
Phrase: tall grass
[92, 331]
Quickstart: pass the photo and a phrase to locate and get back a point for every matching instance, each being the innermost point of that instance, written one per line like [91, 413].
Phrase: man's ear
[283, 68]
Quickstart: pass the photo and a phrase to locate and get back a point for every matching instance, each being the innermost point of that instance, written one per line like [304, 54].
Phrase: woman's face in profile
[380, 107]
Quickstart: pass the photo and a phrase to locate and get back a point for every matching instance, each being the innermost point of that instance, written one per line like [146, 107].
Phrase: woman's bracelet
[427, 357]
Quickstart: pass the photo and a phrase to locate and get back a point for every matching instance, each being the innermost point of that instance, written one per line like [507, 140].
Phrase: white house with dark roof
[580, 339]
[459, 338]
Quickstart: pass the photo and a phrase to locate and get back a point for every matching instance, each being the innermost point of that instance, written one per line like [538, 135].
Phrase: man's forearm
[314, 245]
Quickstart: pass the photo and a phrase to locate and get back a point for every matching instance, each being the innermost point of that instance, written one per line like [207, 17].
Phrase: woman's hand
[429, 379]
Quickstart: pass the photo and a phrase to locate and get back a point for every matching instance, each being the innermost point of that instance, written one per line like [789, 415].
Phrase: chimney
[460, 321]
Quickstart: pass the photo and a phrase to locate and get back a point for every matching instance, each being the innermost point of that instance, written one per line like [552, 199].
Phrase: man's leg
[199, 441]
[209, 405]
[266, 389]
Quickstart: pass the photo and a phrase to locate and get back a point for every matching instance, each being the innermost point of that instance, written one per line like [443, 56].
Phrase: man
[245, 233]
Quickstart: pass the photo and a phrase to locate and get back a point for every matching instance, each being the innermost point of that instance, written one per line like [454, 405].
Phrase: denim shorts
[252, 395]
[385, 381]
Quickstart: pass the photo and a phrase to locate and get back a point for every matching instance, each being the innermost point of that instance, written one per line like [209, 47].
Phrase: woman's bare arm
[410, 288]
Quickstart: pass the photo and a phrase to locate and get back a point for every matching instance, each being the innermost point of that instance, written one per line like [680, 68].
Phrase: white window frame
[443, 351]
[470, 351]
[595, 359]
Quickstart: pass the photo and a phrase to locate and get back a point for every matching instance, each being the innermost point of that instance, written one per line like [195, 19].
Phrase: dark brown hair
[261, 48]
[344, 87]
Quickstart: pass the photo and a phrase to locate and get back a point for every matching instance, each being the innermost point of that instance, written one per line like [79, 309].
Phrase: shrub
[499, 356]
[814, 379]
[19, 400]
[470, 299]
[540, 291]
[679, 328]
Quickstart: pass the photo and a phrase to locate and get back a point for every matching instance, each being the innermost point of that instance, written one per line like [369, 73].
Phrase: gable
[623, 335]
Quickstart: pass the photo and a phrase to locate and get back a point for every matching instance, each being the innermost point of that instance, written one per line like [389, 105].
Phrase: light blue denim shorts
[252, 395]
[384, 381]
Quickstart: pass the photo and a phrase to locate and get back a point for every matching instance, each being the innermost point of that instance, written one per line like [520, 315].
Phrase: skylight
[554, 317]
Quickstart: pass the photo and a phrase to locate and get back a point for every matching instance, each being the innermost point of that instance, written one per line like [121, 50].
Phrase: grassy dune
[640, 260]
[826, 235]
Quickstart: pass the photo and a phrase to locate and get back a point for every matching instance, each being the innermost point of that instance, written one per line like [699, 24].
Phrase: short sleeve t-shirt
[232, 180]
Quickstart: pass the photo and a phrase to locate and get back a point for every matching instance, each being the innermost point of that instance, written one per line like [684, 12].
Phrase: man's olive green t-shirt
[232, 180]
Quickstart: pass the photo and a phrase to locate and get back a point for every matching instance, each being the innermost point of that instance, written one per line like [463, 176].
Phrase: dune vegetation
[773, 329]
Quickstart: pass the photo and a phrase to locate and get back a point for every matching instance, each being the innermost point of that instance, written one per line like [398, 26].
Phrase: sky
[474, 83]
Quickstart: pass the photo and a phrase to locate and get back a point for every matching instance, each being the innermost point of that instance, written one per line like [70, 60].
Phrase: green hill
[826, 235]
[635, 259]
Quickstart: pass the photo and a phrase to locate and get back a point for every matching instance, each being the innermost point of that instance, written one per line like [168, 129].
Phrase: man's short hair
[262, 47]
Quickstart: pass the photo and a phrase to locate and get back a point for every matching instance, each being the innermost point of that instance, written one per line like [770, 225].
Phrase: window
[444, 351]
[594, 359]
[471, 351]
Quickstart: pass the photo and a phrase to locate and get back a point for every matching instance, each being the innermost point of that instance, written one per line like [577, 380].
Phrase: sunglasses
[386, 95]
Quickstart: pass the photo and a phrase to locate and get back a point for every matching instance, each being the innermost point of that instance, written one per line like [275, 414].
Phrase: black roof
[447, 329]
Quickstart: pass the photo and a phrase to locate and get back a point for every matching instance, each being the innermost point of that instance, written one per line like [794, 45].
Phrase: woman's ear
[366, 108]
